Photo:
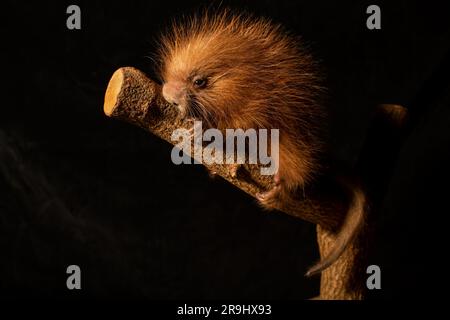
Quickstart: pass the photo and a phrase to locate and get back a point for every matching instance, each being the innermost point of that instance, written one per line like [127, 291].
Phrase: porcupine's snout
[174, 93]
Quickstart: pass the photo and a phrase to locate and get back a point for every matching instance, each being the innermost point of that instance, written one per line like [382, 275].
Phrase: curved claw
[262, 196]
[270, 198]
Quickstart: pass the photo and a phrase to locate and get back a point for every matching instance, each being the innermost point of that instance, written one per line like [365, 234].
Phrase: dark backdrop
[78, 188]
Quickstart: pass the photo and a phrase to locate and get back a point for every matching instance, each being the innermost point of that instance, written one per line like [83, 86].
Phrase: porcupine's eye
[200, 83]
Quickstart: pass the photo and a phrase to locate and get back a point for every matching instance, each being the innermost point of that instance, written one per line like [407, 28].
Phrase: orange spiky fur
[258, 77]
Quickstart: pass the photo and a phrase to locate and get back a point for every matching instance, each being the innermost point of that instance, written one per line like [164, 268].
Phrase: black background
[78, 188]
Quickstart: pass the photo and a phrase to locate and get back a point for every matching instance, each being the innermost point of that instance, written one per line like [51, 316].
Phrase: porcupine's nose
[172, 92]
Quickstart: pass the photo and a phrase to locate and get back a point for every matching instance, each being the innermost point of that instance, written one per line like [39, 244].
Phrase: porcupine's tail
[389, 126]
[350, 228]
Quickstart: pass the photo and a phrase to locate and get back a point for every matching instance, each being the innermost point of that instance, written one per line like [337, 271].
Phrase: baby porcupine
[239, 71]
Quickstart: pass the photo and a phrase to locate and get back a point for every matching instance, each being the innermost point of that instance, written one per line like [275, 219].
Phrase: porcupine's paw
[272, 198]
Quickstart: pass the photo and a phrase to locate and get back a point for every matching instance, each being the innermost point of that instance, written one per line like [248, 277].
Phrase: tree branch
[134, 98]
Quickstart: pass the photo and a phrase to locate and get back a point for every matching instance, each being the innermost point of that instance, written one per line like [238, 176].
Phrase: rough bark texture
[345, 279]
[134, 98]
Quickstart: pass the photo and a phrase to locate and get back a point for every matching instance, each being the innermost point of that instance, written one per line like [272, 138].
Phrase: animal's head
[213, 65]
